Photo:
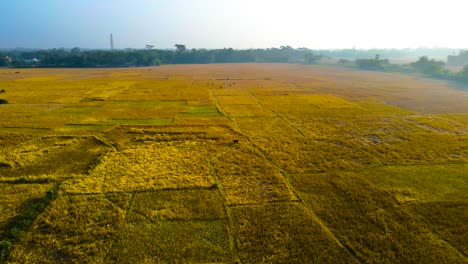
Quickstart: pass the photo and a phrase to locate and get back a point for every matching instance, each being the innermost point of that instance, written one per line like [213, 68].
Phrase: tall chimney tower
[111, 42]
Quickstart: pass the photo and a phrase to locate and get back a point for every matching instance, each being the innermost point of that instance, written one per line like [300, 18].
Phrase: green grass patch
[201, 111]
[89, 127]
[75, 110]
[151, 103]
[146, 121]
[422, 182]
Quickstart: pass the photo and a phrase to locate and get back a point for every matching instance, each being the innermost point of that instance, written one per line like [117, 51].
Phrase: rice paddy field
[231, 163]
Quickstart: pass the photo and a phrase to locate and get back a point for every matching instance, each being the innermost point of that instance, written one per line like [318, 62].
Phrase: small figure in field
[2, 91]
[235, 141]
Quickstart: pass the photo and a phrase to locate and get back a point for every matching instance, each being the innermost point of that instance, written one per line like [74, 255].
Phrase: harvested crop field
[225, 163]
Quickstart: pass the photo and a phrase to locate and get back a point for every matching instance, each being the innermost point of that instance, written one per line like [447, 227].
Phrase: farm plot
[423, 183]
[73, 228]
[180, 241]
[250, 110]
[297, 235]
[246, 176]
[182, 225]
[369, 220]
[152, 166]
[301, 155]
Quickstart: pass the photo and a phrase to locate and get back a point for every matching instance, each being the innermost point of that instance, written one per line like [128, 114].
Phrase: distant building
[31, 61]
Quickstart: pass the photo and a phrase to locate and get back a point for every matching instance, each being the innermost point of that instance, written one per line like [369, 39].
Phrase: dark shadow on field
[55, 156]
[19, 224]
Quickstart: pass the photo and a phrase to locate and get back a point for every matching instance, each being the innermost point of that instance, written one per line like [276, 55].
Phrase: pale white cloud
[235, 23]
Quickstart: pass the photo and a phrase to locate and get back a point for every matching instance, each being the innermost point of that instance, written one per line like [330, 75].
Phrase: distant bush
[375, 64]
[3, 101]
[344, 61]
[463, 74]
[429, 67]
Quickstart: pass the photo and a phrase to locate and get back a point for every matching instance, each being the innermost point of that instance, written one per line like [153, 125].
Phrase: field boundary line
[411, 165]
[289, 123]
[146, 191]
[264, 203]
[124, 219]
[277, 114]
[231, 228]
[332, 235]
[305, 172]
[448, 243]
[235, 126]
[432, 229]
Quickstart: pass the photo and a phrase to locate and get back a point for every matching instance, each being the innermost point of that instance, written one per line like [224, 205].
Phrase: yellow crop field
[231, 163]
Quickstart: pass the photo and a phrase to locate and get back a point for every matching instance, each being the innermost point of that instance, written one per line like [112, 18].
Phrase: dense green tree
[375, 64]
[3, 60]
[430, 67]
[311, 58]
[180, 48]
[148, 57]
[344, 61]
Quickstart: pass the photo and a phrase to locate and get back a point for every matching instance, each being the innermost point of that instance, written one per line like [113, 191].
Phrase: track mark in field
[449, 244]
[236, 126]
[130, 204]
[407, 165]
[282, 172]
[265, 203]
[289, 123]
[277, 114]
[114, 240]
[231, 228]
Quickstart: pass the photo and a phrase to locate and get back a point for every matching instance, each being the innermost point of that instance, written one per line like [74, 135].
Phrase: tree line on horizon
[77, 58]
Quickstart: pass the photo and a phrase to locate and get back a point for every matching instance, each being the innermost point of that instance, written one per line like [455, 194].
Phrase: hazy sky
[234, 23]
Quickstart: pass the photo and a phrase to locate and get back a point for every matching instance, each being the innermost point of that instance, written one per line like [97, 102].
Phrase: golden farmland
[140, 166]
